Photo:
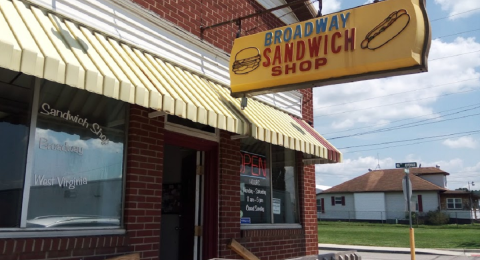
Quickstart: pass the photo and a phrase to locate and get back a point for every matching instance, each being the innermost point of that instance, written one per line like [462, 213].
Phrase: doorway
[182, 204]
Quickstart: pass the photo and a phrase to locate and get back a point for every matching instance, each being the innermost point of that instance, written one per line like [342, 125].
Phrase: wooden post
[241, 251]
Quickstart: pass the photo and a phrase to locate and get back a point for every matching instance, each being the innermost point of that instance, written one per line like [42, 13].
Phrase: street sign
[407, 195]
[406, 165]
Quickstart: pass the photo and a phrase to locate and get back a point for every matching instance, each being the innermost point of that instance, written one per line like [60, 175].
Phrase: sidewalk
[400, 250]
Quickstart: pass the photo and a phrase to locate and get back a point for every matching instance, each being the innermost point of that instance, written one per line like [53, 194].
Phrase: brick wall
[308, 205]
[190, 15]
[307, 105]
[307, 183]
[145, 166]
[87, 248]
[229, 197]
[143, 194]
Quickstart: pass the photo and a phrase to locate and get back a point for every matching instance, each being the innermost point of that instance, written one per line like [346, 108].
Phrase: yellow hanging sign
[387, 38]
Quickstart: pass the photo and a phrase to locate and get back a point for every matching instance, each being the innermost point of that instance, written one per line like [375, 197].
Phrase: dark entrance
[178, 203]
[201, 178]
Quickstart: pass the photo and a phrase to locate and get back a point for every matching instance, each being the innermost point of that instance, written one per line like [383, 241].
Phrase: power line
[453, 55]
[471, 10]
[394, 146]
[457, 33]
[407, 101]
[465, 176]
[466, 171]
[398, 93]
[414, 139]
[408, 125]
[395, 121]
[428, 119]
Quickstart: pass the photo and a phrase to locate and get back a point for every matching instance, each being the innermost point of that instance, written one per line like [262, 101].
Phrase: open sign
[253, 165]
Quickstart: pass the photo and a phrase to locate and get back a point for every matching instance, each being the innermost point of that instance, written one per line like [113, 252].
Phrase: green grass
[372, 234]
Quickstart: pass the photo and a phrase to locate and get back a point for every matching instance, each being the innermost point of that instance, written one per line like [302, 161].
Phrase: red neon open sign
[253, 165]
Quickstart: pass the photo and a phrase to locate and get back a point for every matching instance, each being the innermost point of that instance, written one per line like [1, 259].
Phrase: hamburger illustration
[246, 60]
[387, 30]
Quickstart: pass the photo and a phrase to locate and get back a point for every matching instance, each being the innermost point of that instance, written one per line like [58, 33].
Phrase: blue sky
[440, 108]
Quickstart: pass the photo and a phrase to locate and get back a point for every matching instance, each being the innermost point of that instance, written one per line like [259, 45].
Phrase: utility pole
[407, 192]
[472, 208]
[412, 232]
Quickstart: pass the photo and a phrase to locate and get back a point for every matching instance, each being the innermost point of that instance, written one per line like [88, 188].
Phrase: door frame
[211, 187]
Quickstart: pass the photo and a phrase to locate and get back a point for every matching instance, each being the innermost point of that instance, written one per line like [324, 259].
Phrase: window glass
[458, 203]
[338, 200]
[285, 208]
[78, 160]
[268, 188]
[15, 107]
[255, 194]
[450, 204]
[319, 206]
[454, 203]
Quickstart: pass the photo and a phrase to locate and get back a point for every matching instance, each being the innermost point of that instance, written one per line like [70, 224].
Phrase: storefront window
[255, 192]
[284, 185]
[15, 106]
[73, 176]
[268, 192]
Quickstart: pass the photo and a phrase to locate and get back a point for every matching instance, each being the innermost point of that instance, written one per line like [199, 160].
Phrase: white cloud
[343, 124]
[322, 187]
[334, 174]
[78, 143]
[46, 134]
[330, 6]
[462, 142]
[110, 147]
[459, 6]
[373, 102]
[460, 174]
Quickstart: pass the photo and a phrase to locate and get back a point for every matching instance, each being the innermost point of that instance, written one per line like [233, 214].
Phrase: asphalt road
[400, 256]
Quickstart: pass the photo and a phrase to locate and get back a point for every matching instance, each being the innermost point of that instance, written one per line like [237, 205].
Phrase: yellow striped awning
[277, 127]
[40, 43]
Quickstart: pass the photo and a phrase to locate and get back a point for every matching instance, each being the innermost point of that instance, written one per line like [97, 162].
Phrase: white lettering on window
[95, 128]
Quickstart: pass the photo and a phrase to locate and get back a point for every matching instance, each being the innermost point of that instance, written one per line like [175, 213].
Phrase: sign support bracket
[239, 19]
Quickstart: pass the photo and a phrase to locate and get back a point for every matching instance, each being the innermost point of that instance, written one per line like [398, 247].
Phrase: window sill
[270, 226]
[37, 233]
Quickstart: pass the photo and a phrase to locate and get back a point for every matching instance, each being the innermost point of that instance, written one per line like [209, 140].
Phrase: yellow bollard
[412, 244]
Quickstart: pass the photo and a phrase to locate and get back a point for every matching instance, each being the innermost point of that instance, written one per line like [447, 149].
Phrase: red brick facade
[307, 105]
[144, 167]
[191, 15]
[143, 193]
[143, 196]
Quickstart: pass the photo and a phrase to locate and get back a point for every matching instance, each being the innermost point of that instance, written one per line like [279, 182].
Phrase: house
[378, 195]
[460, 205]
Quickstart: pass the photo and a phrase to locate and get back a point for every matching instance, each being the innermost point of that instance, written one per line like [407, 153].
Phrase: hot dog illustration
[246, 60]
[387, 30]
